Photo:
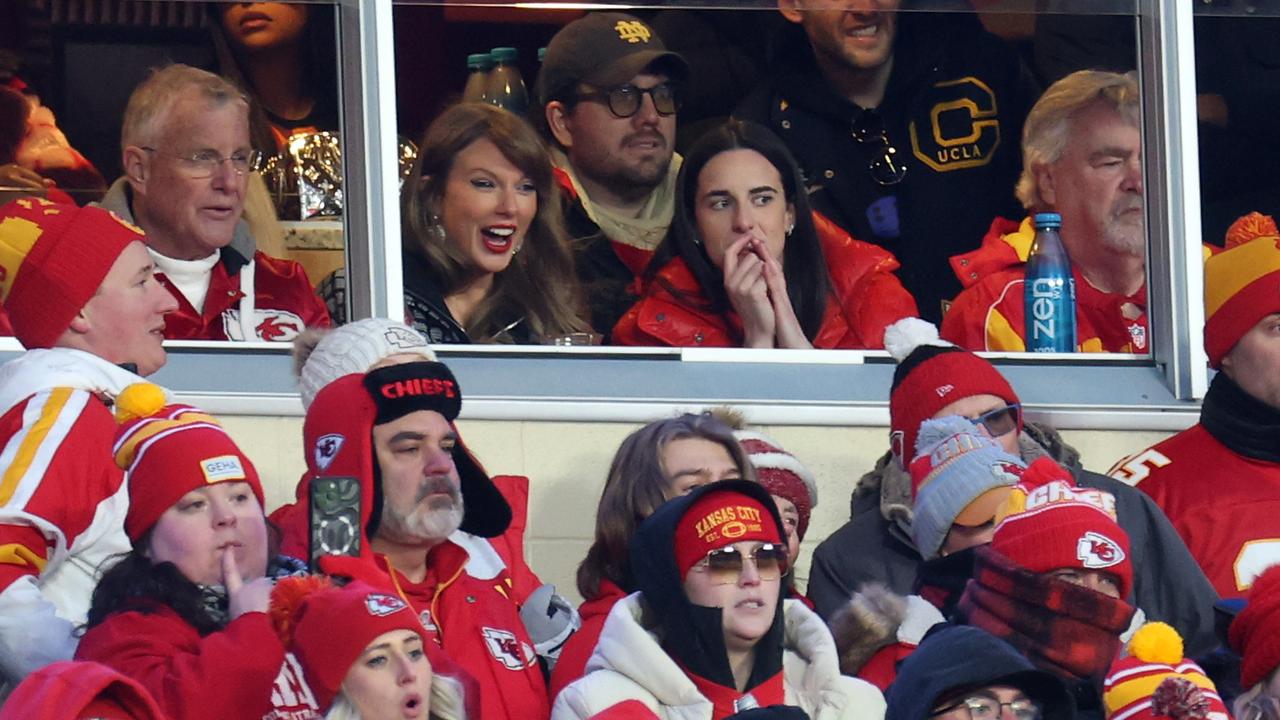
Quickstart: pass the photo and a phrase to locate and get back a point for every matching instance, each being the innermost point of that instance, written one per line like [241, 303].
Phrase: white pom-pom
[937, 430]
[908, 334]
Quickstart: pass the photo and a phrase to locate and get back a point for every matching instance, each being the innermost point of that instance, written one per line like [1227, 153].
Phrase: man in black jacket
[935, 379]
[906, 125]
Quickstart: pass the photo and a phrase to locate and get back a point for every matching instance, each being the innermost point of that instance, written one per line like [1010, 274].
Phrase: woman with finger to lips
[748, 262]
[184, 612]
[485, 257]
[364, 651]
[707, 634]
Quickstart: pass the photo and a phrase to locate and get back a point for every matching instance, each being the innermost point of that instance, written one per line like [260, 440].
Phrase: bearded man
[1082, 158]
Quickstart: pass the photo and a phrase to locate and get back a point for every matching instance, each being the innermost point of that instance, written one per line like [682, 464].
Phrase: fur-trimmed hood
[876, 618]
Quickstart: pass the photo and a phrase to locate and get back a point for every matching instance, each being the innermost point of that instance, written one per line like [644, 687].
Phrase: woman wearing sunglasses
[485, 258]
[748, 263]
[708, 635]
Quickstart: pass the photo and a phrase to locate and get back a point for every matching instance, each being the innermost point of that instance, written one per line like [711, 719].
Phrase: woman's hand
[243, 597]
[787, 331]
[14, 176]
[748, 292]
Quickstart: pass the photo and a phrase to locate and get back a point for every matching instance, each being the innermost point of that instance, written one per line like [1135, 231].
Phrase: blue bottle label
[1051, 322]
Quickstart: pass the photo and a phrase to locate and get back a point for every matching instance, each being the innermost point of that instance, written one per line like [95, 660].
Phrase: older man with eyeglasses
[186, 157]
[906, 125]
[936, 379]
[610, 91]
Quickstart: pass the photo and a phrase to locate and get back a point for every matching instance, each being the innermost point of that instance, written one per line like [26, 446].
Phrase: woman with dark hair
[184, 612]
[747, 262]
[662, 460]
[484, 253]
[283, 55]
[708, 635]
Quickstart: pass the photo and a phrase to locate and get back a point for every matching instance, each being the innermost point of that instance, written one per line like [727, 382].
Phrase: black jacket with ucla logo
[953, 111]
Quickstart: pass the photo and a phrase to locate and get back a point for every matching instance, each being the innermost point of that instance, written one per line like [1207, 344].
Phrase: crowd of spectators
[984, 572]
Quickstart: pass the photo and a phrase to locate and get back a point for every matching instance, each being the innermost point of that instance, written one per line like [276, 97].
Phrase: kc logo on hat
[380, 605]
[1095, 551]
[633, 31]
[326, 449]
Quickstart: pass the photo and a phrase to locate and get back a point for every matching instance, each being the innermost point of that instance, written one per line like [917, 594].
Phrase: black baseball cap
[604, 50]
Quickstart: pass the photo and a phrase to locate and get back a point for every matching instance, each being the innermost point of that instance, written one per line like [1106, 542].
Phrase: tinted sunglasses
[724, 566]
[625, 100]
[868, 131]
[1001, 421]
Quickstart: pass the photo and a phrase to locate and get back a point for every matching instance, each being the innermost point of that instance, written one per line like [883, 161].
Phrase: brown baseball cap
[604, 50]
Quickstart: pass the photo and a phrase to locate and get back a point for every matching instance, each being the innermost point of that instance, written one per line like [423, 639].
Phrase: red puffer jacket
[867, 296]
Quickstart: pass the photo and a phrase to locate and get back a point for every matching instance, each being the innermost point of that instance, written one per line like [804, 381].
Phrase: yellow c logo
[964, 130]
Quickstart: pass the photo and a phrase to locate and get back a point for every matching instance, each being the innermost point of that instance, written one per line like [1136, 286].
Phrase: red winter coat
[68, 689]
[1225, 506]
[577, 651]
[989, 313]
[230, 673]
[867, 297]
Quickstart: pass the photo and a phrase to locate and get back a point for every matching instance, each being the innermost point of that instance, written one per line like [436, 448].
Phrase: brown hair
[636, 486]
[540, 282]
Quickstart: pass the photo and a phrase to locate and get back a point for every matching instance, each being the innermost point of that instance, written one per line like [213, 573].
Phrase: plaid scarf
[1066, 629]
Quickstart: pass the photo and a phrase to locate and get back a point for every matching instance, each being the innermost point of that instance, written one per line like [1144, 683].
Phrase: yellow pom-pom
[1156, 642]
[139, 400]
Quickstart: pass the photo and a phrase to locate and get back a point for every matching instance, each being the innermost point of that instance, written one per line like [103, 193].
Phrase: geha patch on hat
[222, 469]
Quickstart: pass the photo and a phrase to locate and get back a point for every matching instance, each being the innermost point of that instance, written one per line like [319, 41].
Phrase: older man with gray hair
[1082, 158]
[186, 157]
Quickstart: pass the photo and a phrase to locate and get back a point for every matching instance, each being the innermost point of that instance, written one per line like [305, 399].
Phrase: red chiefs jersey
[989, 314]
[1225, 506]
[284, 302]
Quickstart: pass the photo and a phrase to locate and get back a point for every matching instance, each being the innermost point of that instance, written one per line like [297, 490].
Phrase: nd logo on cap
[633, 31]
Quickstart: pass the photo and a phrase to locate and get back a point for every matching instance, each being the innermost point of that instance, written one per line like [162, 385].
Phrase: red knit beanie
[53, 258]
[1154, 680]
[1255, 633]
[328, 627]
[168, 451]
[781, 474]
[717, 520]
[1241, 284]
[1056, 525]
[932, 374]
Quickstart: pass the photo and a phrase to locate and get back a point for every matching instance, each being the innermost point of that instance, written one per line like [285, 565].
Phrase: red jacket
[67, 689]
[989, 313]
[577, 651]
[231, 673]
[284, 302]
[867, 297]
[1225, 506]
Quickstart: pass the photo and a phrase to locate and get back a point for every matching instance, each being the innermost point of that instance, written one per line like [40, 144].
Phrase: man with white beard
[392, 429]
[1082, 158]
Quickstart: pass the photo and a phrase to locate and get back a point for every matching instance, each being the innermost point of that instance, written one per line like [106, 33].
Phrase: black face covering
[1243, 423]
[691, 634]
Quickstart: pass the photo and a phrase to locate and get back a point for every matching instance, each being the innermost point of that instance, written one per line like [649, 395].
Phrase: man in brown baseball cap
[610, 90]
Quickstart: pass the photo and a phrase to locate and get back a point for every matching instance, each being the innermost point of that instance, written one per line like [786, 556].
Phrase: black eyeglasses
[982, 707]
[868, 131]
[724, 566]
[1001, 421]
[625, 100]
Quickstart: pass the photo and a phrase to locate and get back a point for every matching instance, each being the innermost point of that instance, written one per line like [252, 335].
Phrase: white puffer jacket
[629, 664]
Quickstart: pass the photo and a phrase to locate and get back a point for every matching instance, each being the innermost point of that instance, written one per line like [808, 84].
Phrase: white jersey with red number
[62, 500]
[1225, 506]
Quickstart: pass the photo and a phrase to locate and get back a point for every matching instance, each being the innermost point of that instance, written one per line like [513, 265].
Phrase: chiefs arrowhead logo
[326, 449]
[507, 649]
[1095, 550]
[268, 325]
[380, 605]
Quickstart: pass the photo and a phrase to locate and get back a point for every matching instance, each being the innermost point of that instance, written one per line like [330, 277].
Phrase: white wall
[567, 462]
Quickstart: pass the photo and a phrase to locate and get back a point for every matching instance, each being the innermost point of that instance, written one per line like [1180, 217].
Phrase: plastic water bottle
[1049, 293]
[478, 66]
[506, 88]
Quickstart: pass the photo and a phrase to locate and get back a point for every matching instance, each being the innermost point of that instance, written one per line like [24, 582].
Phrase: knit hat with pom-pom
[170, 450]
[932, 374]
[781, 474]
[1155, 680]
[328, 628]
[959, 476]
[1255, 632]
[1241, 284]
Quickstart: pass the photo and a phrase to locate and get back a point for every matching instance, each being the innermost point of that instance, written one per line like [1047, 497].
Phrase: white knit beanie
[354, 348]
